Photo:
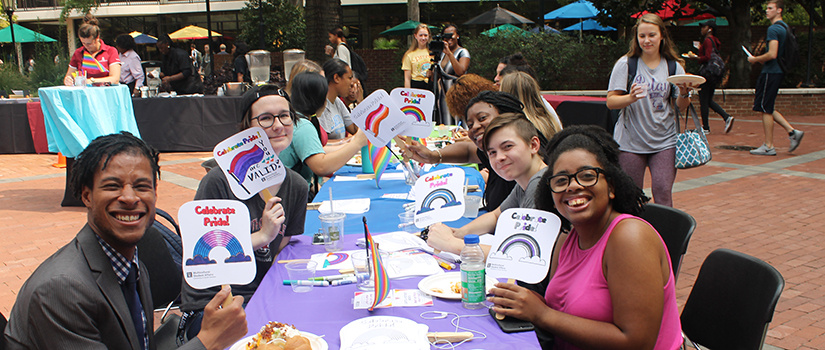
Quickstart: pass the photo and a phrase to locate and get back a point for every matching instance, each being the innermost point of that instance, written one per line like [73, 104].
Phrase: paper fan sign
[523, 245]
[380, 118]
[417, 105]
[439, 196]
[384, 332]
[217, 245]
[249, 162]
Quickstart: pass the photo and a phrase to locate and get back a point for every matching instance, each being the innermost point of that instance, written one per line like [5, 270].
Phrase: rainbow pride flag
[91, 64]
[382, 280]
[380, 157]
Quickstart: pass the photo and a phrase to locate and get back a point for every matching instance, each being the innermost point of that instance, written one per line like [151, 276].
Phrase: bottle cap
[471, 239]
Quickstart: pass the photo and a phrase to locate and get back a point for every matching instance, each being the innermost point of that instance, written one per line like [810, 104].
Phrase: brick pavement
[768, 207]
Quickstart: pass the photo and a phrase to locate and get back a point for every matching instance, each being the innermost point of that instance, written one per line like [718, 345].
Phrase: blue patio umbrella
[590, 24]
[581, 9]
[141, 38]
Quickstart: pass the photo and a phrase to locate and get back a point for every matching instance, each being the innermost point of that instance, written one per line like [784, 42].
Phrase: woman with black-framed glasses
[611, 285]
[272, 221]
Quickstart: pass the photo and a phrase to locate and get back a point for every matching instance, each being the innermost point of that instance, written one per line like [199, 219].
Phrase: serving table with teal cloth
[74, 116]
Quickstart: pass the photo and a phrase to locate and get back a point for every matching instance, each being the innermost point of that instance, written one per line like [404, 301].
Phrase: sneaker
[729, 124]
[706, 131]
[796, 137]
[764, 151]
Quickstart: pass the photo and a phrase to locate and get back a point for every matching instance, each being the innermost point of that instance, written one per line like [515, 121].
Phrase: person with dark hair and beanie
[176, 70]
[239, 50]
[273, 221]
[611, 284]
[98, 62]
[710, 43]
[93, 293]
[306, 155]
[131, 72]
[767, 85]
[335, 119]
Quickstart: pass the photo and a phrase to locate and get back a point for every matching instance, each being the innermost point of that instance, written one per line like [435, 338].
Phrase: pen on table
[444, 263]
[332, 278]
[341, 282]
[307, 283]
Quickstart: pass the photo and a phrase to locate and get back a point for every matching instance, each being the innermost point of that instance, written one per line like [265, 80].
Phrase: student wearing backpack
[710, 45]
[338, 49]
[767, 86]
[646, 129]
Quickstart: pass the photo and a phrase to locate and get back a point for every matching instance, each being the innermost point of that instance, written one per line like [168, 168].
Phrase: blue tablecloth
[383, 214]
[75, 116]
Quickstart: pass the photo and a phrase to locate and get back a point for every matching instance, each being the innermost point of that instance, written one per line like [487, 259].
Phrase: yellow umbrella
[192, 33]
[141, 38]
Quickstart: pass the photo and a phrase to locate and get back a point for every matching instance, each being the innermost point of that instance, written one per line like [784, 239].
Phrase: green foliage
[561, 62]
[11, 79]
[46, 72]
[82, 6]
[284, 26]
[384, 44]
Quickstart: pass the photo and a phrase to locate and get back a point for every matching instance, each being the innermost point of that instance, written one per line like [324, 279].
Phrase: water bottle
[473, 288]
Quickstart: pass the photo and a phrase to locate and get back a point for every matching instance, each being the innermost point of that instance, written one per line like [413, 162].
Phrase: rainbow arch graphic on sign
[440, 194]
[214, 239]
[414, 112]
[522, 242]
[335, 258]
[375, 118]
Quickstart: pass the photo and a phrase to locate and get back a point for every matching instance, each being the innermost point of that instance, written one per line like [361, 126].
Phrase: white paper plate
[315, 341]
[686, 79]
[355, 160]
[444, 281]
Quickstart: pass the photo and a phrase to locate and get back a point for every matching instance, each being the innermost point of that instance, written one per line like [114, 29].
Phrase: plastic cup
[642, 94]
[303, 270]
[333, 226]
[471, 204]
[366, 164]
[406, 222]
[363, 270]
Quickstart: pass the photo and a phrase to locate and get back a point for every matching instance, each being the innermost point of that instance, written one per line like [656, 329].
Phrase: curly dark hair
[463, 90]
[101, 150]
[629, 198]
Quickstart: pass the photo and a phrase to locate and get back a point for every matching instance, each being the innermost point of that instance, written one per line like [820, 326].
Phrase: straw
[331, 210]
[466, 185]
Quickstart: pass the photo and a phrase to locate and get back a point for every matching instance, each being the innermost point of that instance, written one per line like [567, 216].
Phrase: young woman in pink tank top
[611, 285]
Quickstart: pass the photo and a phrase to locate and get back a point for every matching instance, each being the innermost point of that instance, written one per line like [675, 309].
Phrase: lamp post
[8, 5]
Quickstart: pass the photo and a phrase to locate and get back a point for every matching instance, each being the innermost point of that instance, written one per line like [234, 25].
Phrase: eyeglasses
[586, 178]
[268, 119]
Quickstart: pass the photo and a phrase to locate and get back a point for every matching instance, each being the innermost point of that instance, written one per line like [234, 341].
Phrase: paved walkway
[768, 207]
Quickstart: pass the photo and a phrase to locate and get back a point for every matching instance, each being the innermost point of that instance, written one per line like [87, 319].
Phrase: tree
[284, 25]
[320, 16]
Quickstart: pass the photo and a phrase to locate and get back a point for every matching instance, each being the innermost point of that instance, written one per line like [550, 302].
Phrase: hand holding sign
[380, 118]
[249, 163]
[417, 106]
[217, 245]
[439, 196]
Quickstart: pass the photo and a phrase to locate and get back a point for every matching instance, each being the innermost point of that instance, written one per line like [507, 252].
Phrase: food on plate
[437, 290]
[278, 336]
[455, 287]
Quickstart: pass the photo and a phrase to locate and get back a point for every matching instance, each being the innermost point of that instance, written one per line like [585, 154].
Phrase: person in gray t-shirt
[646, 130]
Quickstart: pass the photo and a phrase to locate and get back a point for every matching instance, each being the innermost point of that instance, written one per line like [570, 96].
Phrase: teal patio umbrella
[405, 28]
[503, 30]
[23, 35]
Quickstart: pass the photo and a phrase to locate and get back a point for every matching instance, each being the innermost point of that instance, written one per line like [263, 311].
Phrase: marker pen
[306, 283]
[341, 282]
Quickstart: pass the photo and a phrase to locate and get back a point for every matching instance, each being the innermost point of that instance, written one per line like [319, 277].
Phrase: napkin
[347, 206]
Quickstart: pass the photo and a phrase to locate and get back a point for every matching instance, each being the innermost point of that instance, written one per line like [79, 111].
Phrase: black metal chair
[675, 226]
[3, 323]
[732, 301]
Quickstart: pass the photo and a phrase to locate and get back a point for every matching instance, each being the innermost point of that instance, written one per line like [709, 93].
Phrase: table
[383, 214]
[172, 124]
[325, 310]
[74, 116]
[583, 110]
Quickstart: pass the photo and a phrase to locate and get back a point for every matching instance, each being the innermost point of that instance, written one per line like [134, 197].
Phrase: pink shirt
[579, 288]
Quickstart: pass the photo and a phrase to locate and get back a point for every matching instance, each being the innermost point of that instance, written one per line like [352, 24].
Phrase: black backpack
[632, 65]
[358, 64]
[714, 68]
[790, 55]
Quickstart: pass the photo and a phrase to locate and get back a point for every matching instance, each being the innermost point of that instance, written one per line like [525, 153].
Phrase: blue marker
[306, 283]
[341, 282]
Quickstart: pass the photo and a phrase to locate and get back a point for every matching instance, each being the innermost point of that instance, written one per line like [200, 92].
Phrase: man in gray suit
[85, 295]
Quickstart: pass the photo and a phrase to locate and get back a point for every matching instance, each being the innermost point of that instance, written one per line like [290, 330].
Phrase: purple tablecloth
[325, 310]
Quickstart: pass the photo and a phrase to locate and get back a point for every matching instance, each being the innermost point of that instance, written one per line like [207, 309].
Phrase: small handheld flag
[379, 157]
[382, 280]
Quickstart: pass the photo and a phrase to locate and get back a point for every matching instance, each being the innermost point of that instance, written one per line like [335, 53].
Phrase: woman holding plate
[646, 130]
